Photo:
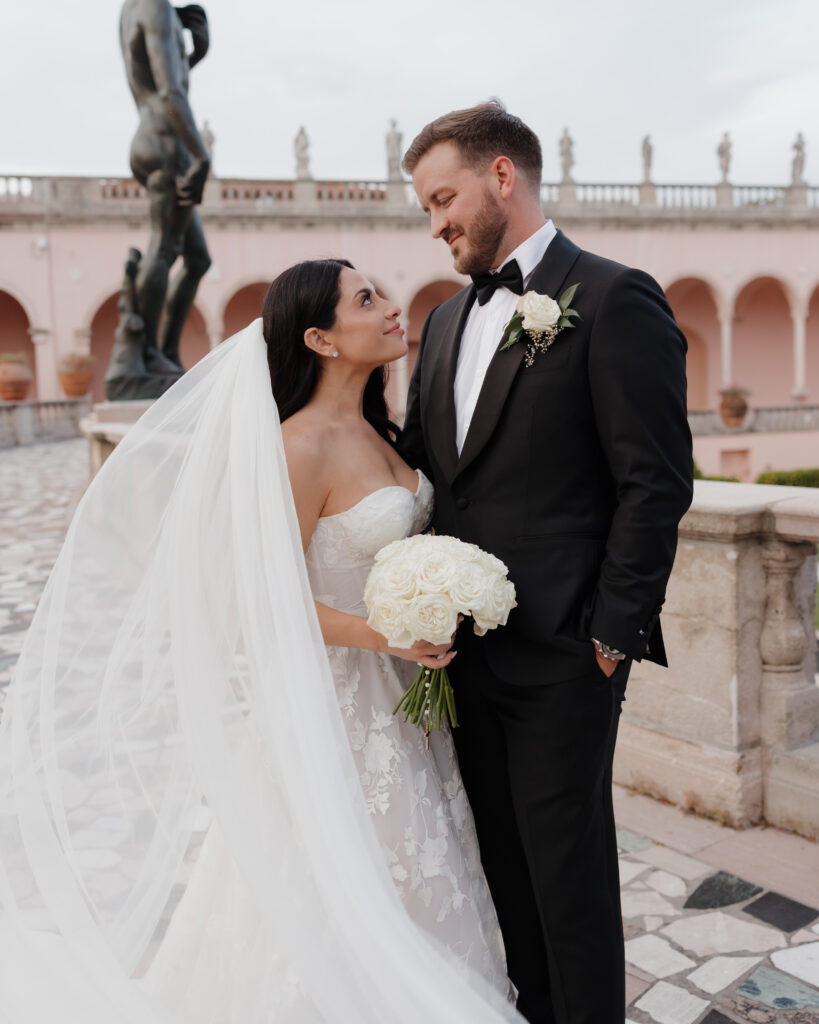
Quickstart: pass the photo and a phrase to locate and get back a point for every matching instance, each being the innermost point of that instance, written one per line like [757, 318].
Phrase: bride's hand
[428, 655]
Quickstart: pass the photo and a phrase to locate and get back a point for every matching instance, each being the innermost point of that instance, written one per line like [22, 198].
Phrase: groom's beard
[483, 239]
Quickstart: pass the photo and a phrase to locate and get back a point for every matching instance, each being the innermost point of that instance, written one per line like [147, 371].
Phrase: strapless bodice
[343, 547]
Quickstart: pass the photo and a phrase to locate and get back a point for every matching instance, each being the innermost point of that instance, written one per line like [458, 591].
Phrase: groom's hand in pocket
[607, 666]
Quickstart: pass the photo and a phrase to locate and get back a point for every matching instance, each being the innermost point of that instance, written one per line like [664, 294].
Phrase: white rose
[492, 565]
[388, 618]
[398, 577]
[436, 571]
[468, 586]
[431, 617]
[498, 602]
[395, 549]
[539, 312]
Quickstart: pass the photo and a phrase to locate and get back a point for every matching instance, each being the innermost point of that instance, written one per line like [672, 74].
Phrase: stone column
[789, 708]
[799, 316]
[44, 361]
[725, 315]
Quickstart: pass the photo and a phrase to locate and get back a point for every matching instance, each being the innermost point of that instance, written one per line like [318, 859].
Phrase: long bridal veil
[174, 669]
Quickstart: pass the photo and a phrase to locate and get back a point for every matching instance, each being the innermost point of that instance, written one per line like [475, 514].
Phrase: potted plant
[76, 373]
[733, 405]
[15, 376]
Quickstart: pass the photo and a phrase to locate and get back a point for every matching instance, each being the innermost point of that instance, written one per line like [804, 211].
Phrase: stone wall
[731, 729]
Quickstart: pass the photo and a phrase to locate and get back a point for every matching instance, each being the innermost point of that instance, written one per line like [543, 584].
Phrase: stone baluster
[789, 699]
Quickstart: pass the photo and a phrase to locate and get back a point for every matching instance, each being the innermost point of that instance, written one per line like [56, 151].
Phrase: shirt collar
[531, 252]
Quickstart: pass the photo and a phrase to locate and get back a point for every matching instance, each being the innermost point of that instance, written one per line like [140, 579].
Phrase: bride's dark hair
[306, 295]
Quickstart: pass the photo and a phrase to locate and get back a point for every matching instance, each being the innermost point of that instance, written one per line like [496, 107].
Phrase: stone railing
[76, 199]
[764, 420]
[27, 422]
[731, 729]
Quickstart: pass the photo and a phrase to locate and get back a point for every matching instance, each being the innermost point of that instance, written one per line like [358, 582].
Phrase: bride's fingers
[437, 662]
[432, 650]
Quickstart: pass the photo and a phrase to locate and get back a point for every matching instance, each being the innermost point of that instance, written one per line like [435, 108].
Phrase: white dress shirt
[484, 329]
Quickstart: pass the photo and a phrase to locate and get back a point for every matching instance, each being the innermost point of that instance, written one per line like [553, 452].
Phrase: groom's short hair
[481, 134]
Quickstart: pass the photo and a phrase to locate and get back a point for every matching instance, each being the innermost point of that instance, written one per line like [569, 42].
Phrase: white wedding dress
[175, 671]
[415, 797]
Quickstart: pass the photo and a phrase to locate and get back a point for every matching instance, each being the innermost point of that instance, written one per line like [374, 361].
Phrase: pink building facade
[740, 266]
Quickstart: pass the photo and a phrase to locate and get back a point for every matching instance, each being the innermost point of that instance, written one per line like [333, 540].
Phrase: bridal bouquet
[416, 590]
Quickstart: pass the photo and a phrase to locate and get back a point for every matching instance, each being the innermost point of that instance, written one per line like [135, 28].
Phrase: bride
[201, 657]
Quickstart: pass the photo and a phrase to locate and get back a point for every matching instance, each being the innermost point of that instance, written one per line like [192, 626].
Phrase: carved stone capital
[39, 335]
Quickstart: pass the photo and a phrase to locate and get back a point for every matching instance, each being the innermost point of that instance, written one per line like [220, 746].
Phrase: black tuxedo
[575, 472]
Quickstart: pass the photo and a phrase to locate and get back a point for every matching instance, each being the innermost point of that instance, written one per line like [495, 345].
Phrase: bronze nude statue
[170, 159]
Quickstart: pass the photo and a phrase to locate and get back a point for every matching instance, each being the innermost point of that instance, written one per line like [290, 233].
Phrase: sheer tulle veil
[175, 663]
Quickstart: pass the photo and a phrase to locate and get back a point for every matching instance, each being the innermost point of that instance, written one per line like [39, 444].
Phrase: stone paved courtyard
[721, 926]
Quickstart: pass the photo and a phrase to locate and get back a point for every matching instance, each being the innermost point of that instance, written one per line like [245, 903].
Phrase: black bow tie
[509, 276]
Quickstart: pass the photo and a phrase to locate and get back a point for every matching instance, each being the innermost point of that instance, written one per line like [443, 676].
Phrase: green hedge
[791, 477]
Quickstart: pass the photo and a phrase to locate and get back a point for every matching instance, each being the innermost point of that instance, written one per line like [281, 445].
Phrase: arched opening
[14, 334]
[193, 345]
[763, 342]
[422, 305]
[244, 307]
[413, 320]
[695, 310]
[812, 351]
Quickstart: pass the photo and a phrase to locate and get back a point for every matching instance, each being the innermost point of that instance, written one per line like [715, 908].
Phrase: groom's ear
[505, 175]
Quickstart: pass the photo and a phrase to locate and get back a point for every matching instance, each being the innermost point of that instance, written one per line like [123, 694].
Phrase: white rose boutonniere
[541, 319]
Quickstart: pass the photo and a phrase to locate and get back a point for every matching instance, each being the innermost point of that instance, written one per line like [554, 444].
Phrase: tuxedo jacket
[575, 471]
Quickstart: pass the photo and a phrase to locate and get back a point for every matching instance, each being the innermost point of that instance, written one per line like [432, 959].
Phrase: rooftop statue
[301, 147]
[394, 138]
[648, 156]
[798, 166]
[170, 160]
[724, 156]
[566, 155]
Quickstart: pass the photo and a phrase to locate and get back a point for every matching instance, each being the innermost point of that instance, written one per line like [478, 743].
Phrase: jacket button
[462, 503]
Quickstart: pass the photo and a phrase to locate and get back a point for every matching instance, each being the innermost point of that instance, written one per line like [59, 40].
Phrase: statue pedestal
[648, 194]
[797, 195]
[106, 425]
[725, 195]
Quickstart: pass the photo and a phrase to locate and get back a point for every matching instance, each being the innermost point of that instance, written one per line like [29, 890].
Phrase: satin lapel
[441, 415]
[548, 278]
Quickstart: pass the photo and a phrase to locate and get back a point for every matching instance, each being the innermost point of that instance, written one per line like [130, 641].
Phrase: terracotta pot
[15, 380]
[733, 409]
[76, 384]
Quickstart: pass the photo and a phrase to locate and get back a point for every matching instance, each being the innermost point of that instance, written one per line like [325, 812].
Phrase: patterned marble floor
[720, 926]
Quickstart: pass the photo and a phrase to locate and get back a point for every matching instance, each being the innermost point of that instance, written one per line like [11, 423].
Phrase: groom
[573, 464]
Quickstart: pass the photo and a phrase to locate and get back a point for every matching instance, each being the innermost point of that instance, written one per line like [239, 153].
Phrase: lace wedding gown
[415, 798]
[174, 728]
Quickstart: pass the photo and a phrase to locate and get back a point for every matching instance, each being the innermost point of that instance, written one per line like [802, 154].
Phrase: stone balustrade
[731, 729]
[27, 422]
[763, 420]
[79, 198]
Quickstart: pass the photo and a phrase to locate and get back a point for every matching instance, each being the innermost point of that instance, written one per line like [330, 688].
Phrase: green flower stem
[430, 696]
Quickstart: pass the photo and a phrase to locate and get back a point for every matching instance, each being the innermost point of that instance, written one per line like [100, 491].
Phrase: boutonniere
[541, 319]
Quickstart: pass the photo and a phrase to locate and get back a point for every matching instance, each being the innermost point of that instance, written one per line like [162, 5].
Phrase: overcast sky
[610, 70]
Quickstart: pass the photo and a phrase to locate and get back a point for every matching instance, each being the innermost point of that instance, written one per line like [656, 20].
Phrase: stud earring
[335, 355]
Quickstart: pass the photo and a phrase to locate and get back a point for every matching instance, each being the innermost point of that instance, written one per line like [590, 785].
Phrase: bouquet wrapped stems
[430, 694]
